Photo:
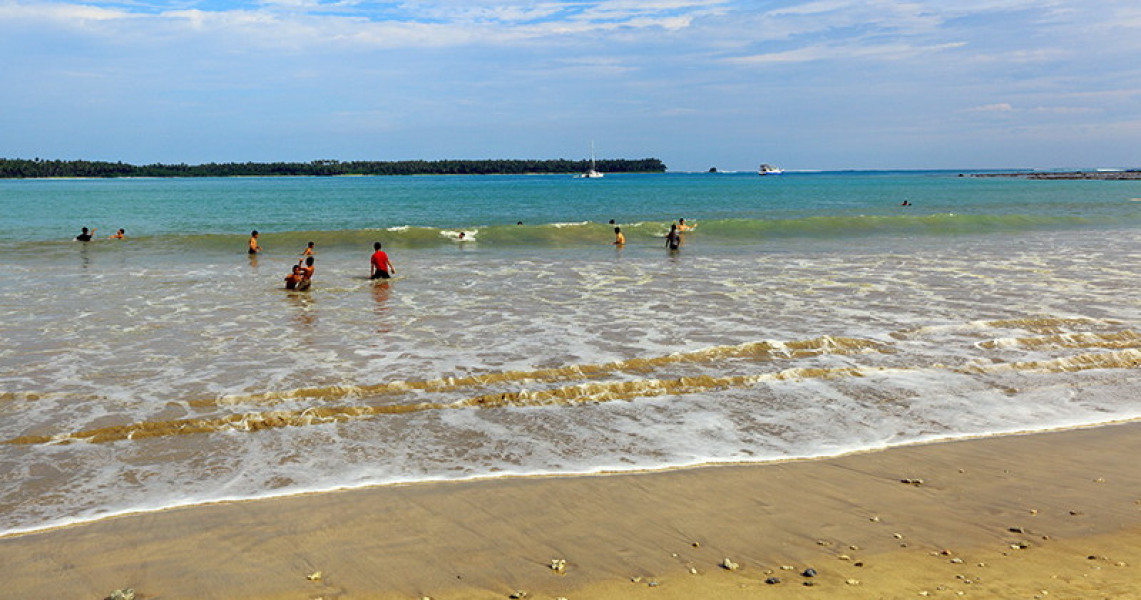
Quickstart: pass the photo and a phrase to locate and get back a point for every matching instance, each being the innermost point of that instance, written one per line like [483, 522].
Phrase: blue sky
[824, 84]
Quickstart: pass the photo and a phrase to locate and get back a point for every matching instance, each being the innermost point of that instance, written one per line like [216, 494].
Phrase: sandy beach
[1041, 515]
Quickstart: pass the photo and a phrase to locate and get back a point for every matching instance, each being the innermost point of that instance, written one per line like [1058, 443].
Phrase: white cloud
[1001, 107]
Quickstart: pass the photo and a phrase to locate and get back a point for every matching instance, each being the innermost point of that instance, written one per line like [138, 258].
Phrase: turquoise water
[807, 315]
[743, 207]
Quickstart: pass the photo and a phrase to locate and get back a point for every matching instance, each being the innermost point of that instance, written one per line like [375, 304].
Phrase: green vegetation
[37, 168]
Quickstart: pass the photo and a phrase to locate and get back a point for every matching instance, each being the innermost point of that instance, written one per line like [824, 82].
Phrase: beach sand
[1046, 515]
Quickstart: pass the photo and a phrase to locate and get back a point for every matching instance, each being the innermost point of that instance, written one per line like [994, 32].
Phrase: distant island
[1068, 175]
[41, 169]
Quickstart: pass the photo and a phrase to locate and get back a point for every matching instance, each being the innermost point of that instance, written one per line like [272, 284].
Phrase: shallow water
[808, 315]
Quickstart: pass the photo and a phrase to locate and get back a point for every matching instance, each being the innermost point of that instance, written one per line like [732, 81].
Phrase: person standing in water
[254, 247]
[306, 274]
[673, 238]
[619, 238]
[84, 236]
[682, 227]
[309, 251]
[293, 278]
[379, 265]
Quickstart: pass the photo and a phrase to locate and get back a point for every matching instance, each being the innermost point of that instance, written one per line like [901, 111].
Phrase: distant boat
[767, 169]
[592, 172]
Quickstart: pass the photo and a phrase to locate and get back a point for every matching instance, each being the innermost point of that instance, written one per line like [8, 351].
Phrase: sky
[818, 84]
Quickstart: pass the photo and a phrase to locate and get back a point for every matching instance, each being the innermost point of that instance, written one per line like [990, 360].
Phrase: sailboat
[592, 172]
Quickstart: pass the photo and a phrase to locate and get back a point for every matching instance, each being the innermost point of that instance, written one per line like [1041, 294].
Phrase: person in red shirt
[379, 265]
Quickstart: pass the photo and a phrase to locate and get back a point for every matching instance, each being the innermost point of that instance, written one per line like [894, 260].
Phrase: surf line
[761, 351]
[586, 393]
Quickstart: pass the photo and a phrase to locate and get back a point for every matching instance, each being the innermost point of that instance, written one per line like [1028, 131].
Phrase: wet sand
[1047, 515]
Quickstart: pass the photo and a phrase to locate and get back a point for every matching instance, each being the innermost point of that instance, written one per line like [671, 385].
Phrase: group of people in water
[673, 238]
[380, 267]
[87, 236]
[301, 275]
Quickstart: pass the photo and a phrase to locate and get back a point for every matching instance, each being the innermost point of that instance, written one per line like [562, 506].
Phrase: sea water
[808, 314]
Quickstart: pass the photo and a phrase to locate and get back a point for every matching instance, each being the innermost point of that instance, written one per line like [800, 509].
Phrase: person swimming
[118, 235]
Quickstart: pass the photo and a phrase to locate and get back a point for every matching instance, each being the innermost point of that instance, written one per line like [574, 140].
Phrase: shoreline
[605, 472]
[1039, 503]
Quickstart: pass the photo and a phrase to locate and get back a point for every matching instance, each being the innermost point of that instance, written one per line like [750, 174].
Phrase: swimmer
[379, 265]
[681, 226]
[460, 236]
[673, 238]
[619, 238]
[85, 236]
[118, 235]
[254, 247]
[308, 250]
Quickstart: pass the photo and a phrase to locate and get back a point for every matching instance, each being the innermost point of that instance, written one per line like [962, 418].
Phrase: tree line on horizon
[39, 168]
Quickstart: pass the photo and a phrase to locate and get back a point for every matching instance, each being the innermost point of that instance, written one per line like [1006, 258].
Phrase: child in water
[293, 278]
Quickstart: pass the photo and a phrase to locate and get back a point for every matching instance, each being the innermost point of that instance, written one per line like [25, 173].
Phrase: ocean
[807, 315]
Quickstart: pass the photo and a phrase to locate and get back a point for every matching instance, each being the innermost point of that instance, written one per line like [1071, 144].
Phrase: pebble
[123, 594]
[874, 519]
[853, 582]
[1034, 511]
[1017, 530]
[823, 543]
[558, 565]
[729, 565]
[787, 568]
[809, 572]
[654, 583]
[844, 557]
[898, 536]
[693, 571]
[910, 481]
[517, 594]
[957, 561]
[772, 580]
[314, 576]
[696, 544]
